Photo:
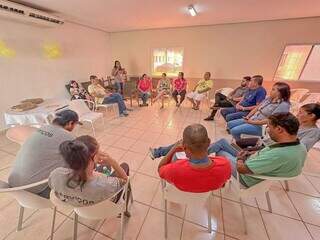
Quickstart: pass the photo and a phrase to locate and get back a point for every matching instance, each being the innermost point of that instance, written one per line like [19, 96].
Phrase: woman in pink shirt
[144, 87]
[179, 88]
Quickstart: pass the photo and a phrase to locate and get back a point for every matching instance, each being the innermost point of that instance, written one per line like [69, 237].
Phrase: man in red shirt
[197, 172]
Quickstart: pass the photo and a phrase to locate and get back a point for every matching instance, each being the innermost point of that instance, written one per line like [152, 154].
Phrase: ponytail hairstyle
[78, 154]
[312, 108]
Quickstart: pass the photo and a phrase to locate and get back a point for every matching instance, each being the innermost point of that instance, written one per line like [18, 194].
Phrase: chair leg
[93, 130]
[165, 219]
[209, 214]
[268, 202]
[53, 222]
[131, 194]
[243, 217]
[75, 226]
[286, 184]
[21, 211]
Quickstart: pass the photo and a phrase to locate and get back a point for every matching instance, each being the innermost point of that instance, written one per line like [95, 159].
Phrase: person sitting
[79, 184]
[284, 158]
[308, 133]
[78, 92]
[197, 172]
[179, 88]
[199, 91]
[278, 101]
[255, 95]
[163, 88]
[144, 88]
[103, 97]
[40, 155]
[222, 101]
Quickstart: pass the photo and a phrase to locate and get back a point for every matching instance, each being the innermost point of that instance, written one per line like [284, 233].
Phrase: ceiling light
[192, 11]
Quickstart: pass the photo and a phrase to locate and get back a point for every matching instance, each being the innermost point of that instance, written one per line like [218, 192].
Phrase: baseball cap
[68, 116]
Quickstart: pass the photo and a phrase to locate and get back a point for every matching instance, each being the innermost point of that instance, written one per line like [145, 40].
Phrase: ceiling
[128, 15]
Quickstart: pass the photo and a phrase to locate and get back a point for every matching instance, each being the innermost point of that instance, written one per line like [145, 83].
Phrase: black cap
[68, 116]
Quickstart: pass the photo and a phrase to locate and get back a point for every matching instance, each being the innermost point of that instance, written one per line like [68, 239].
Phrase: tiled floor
[296, 214]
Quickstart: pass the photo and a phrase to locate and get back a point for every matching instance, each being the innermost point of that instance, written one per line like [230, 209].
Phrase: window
[168, 60]
[292, 62]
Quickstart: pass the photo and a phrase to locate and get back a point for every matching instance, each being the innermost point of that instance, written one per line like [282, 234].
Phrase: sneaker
[151, 153]
[209, 118]
[124, 114]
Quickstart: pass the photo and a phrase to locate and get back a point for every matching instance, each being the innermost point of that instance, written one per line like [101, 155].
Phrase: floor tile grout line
[263, 222]
[299, 214]
[312, 184]
[144, 220]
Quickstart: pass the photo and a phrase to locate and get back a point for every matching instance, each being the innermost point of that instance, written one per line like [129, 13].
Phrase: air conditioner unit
[27, 15]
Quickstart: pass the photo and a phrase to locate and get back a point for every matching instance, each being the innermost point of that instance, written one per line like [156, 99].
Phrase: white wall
[30, 74]
[229, 51]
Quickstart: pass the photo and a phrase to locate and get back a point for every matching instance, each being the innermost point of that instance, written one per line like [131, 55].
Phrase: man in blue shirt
[251, 99]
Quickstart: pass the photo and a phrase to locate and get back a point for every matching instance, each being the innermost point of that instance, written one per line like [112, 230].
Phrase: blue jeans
[119, 87]
[223, 148]
[116, 98]
[232, 113]
[239, 126]
[145, 96]
[162, 151]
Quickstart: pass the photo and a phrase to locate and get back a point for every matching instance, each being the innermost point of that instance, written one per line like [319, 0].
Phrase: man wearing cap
[39, 155]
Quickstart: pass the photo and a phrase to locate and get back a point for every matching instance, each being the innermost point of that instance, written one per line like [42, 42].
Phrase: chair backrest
[79, 106]
[173, 194]
[25, 198]
[225, 91]
[311, 98]
[253, 191]
[19, 134]
[101, 210]
[298, 93]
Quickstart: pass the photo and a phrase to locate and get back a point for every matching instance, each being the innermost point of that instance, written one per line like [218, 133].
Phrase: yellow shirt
[204, 84]
[97, 90]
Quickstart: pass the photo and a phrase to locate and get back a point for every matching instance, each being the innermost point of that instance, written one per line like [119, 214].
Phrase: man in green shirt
[285, 158]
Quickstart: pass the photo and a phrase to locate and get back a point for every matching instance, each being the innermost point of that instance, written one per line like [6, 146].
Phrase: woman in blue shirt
[277, 102]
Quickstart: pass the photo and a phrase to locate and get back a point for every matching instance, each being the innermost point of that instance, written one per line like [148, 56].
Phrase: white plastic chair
[19, 134]
[263, 136]
[85, 114]
[112, 106]
[101, 210]
[297, 95]
[172, 194]
[28, 200]
[256, 190]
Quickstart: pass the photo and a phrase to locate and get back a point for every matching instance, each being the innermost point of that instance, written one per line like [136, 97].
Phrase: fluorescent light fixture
[192, 11]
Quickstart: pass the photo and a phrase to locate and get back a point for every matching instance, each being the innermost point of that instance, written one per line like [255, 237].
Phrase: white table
[36, 116]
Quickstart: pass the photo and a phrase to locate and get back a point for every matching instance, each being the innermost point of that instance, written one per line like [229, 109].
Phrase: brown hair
[77, 154]
[284, 90]
[285, 120]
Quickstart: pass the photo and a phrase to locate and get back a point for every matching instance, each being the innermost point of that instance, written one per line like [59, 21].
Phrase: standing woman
[179, 88]
[163, 88]
[119, 75]
[144, 88]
